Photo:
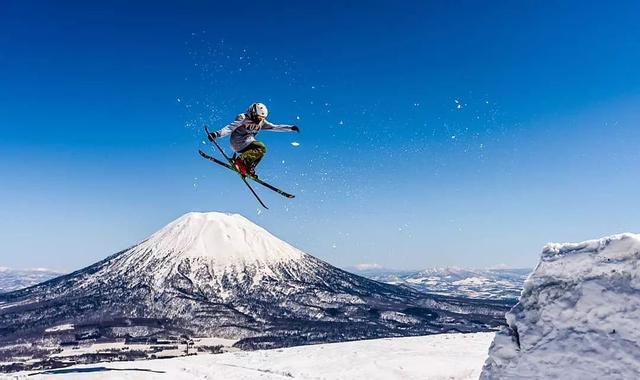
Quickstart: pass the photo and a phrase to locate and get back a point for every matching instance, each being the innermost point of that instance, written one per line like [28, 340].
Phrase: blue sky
[433, 133]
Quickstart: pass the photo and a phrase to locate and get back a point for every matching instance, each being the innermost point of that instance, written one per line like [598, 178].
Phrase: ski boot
[252, 172]
[240, 166]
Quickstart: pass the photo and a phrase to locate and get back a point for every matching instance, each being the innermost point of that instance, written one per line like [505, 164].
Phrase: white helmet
[258, 109]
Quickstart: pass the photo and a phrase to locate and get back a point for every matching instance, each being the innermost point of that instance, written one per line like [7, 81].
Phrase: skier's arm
[269, 126]
[231, 126]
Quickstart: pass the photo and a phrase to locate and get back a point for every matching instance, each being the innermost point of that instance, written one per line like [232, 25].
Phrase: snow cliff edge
[578, 316]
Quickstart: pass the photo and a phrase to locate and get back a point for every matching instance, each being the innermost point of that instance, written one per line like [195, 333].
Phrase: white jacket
[244, 130]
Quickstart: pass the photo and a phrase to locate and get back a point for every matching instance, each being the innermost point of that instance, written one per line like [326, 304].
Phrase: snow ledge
[578, 315]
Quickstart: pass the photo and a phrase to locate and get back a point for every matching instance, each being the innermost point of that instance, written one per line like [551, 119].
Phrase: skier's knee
[260, 147]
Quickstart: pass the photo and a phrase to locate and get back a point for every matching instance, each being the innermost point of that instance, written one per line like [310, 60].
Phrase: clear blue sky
[433, 133]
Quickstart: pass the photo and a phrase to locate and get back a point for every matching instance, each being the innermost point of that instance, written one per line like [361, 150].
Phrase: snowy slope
[578, 316]
[14, 279]
[444, 356]
[503, 284]
[220, 275]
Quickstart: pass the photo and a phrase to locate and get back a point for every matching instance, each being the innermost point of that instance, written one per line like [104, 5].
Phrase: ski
[254, 193]
[243, 178]
[256, 180]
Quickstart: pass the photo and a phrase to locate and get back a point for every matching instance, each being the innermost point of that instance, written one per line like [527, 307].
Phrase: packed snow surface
[578, 316]
[444, 356]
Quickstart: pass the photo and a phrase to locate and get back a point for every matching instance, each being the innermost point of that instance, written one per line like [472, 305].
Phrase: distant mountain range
[457, 282]
[219, 275]
[14, 279]
[503, 284]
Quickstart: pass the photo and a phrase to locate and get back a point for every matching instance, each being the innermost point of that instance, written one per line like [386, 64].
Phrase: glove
[212, 136]
[295, 128]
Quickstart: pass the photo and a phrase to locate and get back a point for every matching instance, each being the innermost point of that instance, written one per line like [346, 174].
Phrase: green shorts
[253, 153]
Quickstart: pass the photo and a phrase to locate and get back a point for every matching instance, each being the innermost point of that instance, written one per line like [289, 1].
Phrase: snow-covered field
[444, 356]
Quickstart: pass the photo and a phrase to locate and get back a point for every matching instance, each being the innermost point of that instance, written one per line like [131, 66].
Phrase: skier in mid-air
[243, 136]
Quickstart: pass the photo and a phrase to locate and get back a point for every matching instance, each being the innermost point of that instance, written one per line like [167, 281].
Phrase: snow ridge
[578, 316]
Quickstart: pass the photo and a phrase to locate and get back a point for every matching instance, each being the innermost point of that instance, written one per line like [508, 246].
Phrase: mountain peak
[220, 275]
[222, 239]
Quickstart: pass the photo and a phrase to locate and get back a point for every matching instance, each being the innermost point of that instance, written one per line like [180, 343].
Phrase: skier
[243, 131]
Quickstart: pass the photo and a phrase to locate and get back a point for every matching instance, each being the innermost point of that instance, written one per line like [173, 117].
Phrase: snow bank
[578, 316]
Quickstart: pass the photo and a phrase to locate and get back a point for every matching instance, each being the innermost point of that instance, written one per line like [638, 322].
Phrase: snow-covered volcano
[218, 254]
[214, 274]
[221, 241]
